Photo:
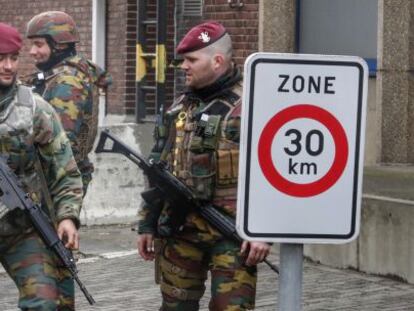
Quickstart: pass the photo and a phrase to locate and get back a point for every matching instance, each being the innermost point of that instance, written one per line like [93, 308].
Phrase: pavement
[110, 269]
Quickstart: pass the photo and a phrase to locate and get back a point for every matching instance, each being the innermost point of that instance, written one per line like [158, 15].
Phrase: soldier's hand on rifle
[255, 251]
[145, 245]
[68, 233]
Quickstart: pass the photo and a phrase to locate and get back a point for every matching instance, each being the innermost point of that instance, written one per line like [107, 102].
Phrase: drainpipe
[99, 46]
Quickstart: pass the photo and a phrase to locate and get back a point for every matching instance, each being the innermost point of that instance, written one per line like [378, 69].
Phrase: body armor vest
[16, 144]
[205, 152]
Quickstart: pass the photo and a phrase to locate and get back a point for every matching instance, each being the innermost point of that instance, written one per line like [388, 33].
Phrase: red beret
[10, 39]
[201, 36]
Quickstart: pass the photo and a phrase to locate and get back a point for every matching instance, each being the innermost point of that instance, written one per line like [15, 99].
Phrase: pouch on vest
[227, 166]
[211, 132]
[202, 180]
[197, 136]
[196, 144]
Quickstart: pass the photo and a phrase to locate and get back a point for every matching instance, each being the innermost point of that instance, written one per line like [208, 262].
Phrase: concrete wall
[385, 245]
[277, 26]
[373, 126]
[114, 194]
[395, 79]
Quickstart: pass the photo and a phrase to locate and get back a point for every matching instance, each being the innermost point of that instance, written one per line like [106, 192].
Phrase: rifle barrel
[85, 292]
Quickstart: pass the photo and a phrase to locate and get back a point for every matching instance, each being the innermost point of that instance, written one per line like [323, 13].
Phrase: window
[339, 27]
[193, 7]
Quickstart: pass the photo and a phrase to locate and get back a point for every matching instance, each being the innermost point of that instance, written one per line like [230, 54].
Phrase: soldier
[68, 81]
[202, 149]
[30, 133]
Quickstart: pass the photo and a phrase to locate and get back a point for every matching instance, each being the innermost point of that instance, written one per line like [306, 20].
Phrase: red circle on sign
[266, 140]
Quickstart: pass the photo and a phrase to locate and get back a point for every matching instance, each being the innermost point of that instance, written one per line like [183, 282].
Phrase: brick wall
[184, 23]
[117, 54]
[81, 11]
[241, 23]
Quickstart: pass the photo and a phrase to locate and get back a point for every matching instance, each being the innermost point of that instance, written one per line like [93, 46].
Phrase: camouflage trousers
[42, 284]
[184, 267]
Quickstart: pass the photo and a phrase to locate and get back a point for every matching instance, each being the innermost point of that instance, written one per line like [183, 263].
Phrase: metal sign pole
[290, 277]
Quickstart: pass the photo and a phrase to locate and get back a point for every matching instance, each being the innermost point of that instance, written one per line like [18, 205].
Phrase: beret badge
[204, 37]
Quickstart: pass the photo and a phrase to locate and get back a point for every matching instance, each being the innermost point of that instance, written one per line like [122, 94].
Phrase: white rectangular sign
[302, 139]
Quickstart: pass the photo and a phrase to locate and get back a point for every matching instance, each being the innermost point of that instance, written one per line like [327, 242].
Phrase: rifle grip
[152, 196]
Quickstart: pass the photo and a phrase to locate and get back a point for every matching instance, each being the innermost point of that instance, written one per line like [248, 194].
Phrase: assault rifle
[13, 196]
[170, 188]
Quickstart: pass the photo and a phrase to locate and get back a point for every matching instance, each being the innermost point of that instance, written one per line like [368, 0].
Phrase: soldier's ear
[218, 61]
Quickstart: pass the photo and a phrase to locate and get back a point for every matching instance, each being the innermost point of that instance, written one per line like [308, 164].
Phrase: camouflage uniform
[202, 149]
[70, 87]
[71, 84]
[30, 128]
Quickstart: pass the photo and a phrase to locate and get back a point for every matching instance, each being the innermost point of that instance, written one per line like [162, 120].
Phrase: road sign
[302, 138]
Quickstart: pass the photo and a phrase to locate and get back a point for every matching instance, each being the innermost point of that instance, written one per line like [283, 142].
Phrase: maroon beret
[10, 39]
[201, 36]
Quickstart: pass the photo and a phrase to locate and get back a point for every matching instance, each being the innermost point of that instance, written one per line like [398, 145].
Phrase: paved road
[119, 280]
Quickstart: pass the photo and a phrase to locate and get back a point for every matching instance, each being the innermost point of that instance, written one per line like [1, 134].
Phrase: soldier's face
[39, 50]
[199, 69]
[8, 68]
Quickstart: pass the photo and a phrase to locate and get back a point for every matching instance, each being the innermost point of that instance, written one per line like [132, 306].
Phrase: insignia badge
[204, 37]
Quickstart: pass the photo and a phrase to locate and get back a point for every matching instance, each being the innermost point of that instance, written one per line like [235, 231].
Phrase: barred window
[193, 7]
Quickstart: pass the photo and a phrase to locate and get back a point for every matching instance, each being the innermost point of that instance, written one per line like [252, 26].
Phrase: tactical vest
[205, 153]
[17, 144]
[89, 127]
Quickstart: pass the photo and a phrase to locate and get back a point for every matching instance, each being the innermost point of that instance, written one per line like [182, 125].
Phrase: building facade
[378, 30]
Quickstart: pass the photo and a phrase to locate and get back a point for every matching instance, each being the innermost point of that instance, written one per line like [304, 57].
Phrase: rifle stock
[110, 144]
[172, 189]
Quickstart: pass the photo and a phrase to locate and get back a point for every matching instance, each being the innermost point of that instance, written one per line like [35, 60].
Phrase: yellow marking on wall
[161, 63]
[141, 66]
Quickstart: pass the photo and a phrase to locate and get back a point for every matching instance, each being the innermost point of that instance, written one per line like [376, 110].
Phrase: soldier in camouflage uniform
[68, 81]
[202, 149]
[34, 143]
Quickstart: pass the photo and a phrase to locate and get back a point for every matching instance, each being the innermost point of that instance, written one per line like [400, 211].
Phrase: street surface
[118, 280]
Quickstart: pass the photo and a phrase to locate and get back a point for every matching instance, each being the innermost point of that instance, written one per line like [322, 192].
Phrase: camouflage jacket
[202, 150]
[30, 128]
[72, 88]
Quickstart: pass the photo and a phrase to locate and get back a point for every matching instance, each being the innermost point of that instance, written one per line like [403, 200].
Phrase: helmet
[57, 25]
